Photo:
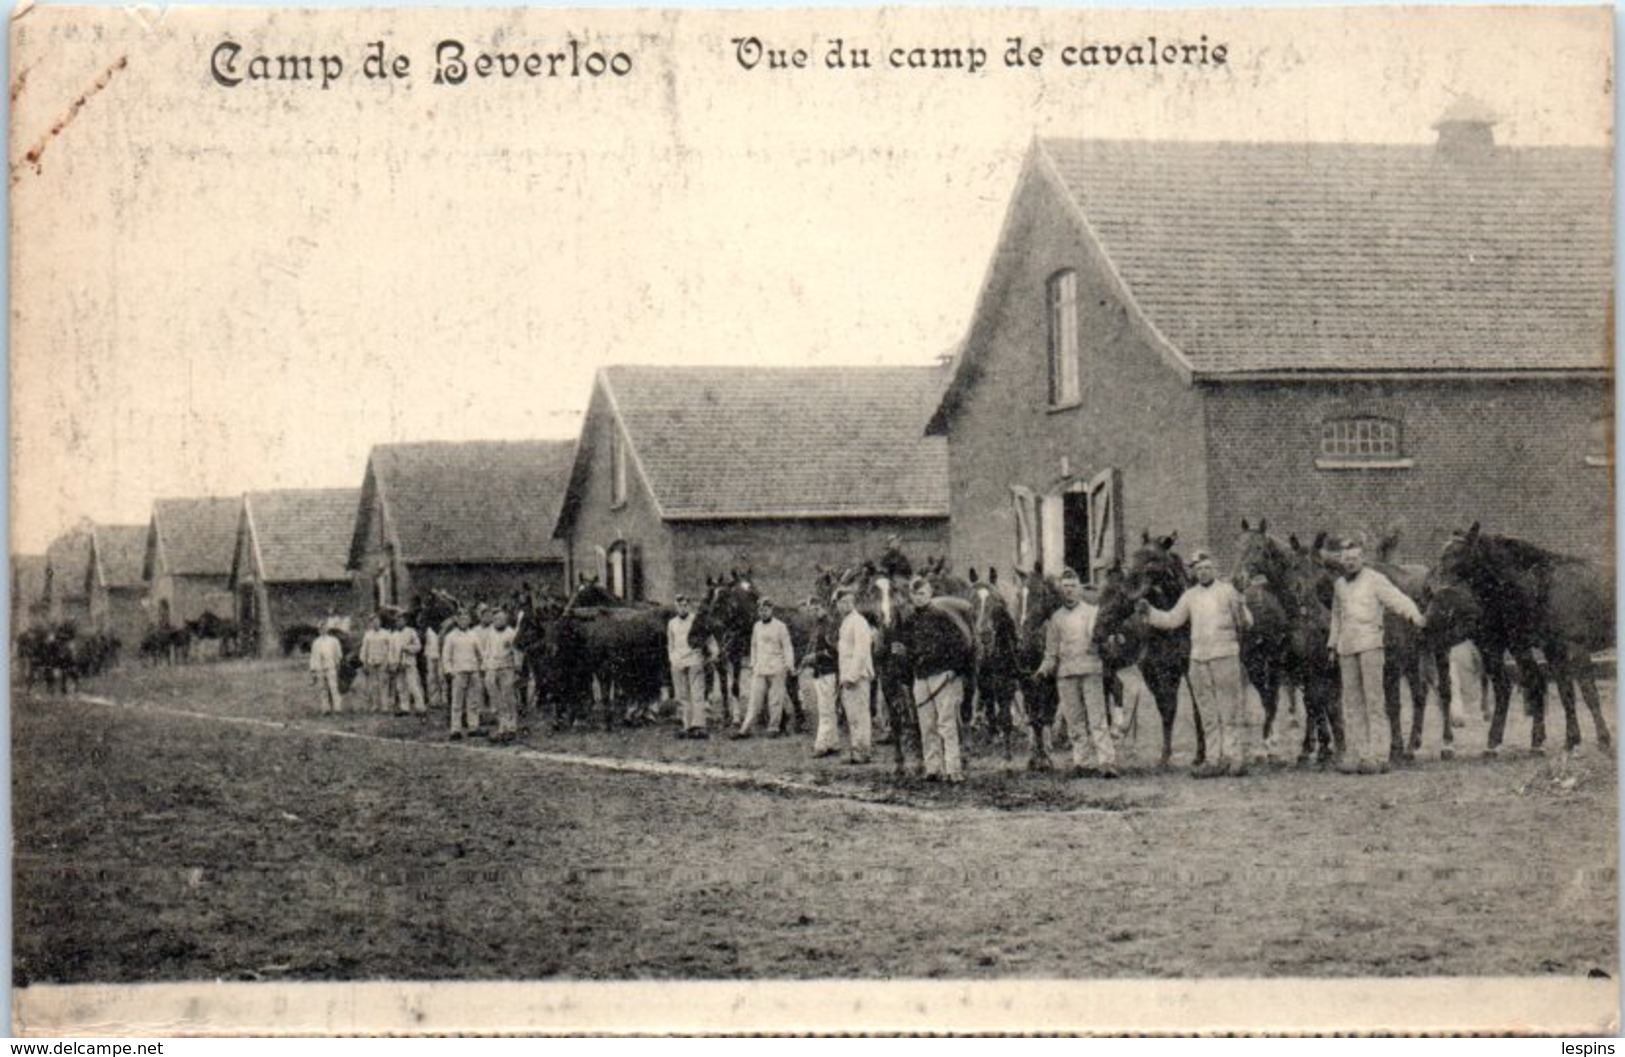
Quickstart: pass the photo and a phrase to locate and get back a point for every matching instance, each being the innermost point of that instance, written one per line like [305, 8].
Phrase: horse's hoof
[1447, 753]
[1304, 760]
[1492, 752]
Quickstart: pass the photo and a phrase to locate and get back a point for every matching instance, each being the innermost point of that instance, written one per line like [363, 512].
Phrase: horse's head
[1261, 555]
[1040, 597]
[1156, 572]
[1451, 608]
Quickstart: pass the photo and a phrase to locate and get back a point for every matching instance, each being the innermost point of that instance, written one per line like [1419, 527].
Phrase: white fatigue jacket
[855, 649]
[1357, 609]
[1217, 614]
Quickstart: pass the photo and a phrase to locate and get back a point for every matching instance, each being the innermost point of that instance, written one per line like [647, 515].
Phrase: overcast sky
[219, 290]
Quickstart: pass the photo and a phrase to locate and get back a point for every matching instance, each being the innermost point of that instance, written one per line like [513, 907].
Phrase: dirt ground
[162, 838]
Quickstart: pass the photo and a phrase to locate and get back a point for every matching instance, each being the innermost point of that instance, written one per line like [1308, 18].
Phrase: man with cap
[856, 666]
[821, 664]
[687, 671]
[1217, 615]
[406, 685]
[498, 663]
[375, 661]
[1359, 599]
[940, 653]
[1070, 657]
[772, 659]
[325, 656]
[461, 659]
[894, 564]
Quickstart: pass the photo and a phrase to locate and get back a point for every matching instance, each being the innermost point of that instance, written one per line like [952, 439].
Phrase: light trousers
[688, 687]
[1219, 693]
[1088, 720]
[936, 700]
[772, 688]
[1365, 716]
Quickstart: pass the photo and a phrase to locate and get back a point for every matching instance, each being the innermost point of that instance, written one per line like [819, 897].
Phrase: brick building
[288, 567]
[66, 561]
[1176, 336]
[474, 519]
[188, 559]
[114, 583]
[688, 472]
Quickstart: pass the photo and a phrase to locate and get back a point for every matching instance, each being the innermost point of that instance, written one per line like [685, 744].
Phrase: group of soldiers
[470, 670]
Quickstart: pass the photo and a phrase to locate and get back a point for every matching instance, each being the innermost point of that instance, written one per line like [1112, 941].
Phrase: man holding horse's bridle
[1217, 615]
[1359, 600]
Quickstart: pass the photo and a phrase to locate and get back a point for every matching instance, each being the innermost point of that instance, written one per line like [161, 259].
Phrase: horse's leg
[1441, 660]
[1412, 661]
[1391, 674]
[1495, 667]
[1534, 698]
[1562, 674]
[1587, 679]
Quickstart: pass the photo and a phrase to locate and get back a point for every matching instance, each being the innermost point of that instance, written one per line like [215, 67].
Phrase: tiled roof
[471, 502]
[27, 580]
[785, 442]
[68, 560]
[119, 552]
[1277, 257]
[303, 535]
[196, 537]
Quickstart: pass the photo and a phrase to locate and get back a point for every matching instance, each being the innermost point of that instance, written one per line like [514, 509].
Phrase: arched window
[619, 580]
[1360, 439]
[1062, 298]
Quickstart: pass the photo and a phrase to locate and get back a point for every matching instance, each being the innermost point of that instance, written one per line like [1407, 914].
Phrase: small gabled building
[683, 473]
[66, 561]
[187, 564]
[471, 518]
[29, 607]
[289, 569]
[114, 582]
[1174, 336]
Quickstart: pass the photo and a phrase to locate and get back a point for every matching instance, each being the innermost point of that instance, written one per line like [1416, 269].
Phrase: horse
[1124, 638]
[212, 628]
[1038, 599]
[886, 606]
[617, 644]
[1317, 674]
[722, 630]
[1271, 649]
[1408, 649]
[994, 683]
[1530, 598]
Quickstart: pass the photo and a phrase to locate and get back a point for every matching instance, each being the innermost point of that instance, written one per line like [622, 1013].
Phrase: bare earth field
[160, 837]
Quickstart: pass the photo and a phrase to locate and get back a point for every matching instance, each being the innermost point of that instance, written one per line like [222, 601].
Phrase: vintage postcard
[850, 520]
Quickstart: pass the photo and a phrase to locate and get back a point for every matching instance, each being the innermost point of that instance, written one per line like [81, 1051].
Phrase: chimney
[1465, 129]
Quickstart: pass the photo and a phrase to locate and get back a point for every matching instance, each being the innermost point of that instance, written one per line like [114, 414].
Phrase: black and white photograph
[683, 521]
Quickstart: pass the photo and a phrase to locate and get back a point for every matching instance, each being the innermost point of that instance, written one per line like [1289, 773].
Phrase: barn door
[1026, 506]
[1052, 526]
[1105, 522]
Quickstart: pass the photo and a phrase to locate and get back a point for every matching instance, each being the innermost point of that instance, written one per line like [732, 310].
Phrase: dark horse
[997, 670]
[722, 630]
[1039, 598]
[1271, 649]
[1314, 668]
[1529, 598]
[1409, 649]
[1124, 638]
